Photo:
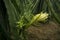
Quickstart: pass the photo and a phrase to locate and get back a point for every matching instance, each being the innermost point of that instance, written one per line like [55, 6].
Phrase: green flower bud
[43, 16]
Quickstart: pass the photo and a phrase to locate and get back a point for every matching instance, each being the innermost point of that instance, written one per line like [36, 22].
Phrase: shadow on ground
[50, 31]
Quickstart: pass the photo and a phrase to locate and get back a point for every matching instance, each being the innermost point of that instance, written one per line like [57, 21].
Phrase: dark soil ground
[48, 31]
